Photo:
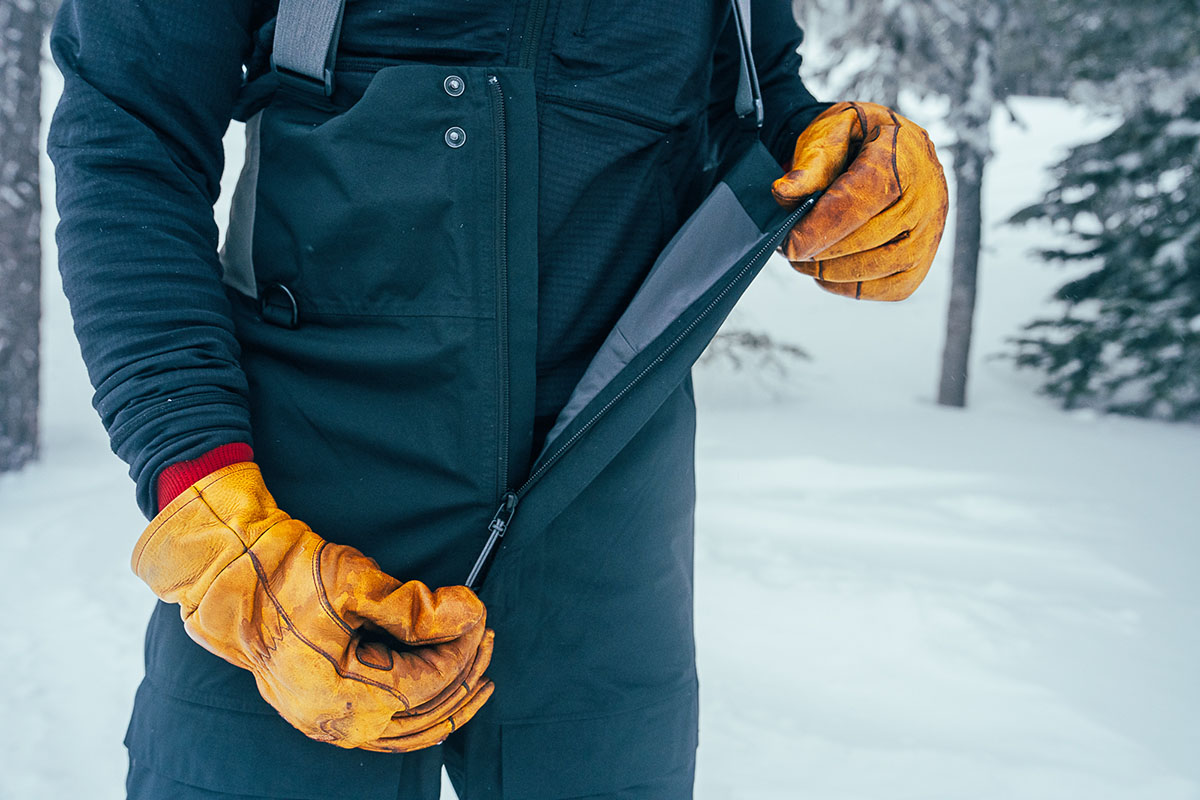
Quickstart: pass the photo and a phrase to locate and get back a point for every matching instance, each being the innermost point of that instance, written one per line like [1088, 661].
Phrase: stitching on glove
[215, 578]
[333, 661]
[862, 119]
[366, 662]
[323, 596]
[895, 147]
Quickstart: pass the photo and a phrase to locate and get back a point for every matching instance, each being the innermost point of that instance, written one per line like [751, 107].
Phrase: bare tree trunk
[21, 24]
[971, 113]
[968, 229]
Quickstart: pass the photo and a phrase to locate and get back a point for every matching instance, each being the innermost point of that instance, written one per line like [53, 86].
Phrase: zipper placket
[500, 120]
[508, 506]
[508, 502]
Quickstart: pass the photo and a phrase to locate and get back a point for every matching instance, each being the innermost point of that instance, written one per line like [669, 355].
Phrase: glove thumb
[359, 592]
[417, 616]
[823, 152]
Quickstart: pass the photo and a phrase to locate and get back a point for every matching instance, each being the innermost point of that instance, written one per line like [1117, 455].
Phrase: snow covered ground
[997, 604]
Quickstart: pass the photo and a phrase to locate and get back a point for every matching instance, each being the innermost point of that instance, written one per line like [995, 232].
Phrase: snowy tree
[1128, 338]
[21, 22]
[944, 48]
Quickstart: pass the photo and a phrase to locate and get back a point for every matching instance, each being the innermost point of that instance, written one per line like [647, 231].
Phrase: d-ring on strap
[306, 36]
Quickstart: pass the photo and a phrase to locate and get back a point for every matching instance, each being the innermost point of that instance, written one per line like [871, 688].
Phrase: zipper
[500, 120]
[503, 517]
[534, 22]
[496, 529]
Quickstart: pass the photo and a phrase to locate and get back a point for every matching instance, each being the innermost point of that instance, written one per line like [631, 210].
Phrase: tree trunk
[970, 114]
[20, 229]
[968, 229]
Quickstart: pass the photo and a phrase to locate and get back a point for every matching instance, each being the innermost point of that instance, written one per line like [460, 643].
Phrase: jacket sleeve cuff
[180, 475]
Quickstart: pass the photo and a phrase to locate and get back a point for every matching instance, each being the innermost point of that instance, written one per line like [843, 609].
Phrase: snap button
[456, 137]
[454, 85]
[277, 305]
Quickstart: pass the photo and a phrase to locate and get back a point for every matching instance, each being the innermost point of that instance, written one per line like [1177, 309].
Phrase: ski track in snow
[894, 600]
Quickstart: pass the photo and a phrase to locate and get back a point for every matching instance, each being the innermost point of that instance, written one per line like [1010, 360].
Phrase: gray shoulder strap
[748, 104]
[306, 36]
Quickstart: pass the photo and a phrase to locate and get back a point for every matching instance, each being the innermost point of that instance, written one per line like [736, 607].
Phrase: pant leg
[200, 721]
[141, 784]
[674, 785]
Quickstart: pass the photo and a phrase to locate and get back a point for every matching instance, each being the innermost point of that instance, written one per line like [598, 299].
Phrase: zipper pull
[496, 530]
[504, 514]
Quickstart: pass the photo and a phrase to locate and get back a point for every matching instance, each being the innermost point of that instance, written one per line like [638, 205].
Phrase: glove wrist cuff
[200, 532]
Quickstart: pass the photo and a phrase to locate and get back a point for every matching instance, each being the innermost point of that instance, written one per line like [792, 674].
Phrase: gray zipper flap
[719, 234]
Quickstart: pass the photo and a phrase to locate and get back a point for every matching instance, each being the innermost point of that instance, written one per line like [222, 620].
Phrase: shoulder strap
[748, 104]
[306, 36]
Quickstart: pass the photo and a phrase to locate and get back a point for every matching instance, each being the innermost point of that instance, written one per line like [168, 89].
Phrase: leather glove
[312, 620]
[874, 231]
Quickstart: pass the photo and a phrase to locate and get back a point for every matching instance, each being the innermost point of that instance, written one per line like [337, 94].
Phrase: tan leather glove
[875, 230]
[312, 619]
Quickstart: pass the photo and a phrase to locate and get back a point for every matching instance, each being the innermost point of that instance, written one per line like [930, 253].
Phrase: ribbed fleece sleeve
[136, 145]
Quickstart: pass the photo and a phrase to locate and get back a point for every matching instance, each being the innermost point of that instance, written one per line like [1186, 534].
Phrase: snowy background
[1000, 603]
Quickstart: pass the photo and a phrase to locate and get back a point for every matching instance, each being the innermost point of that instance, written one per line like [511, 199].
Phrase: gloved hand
[874, 231]
[311, 619]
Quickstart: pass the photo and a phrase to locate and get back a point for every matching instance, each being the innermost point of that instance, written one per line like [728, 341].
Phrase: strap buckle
[305, 83]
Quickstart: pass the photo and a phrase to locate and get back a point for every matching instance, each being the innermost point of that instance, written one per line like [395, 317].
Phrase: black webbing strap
[306, 36]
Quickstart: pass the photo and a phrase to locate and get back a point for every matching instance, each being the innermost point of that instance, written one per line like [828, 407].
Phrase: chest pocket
[381, 209]
[645, 61]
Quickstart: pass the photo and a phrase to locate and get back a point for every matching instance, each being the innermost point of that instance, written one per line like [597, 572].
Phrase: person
[434, 234]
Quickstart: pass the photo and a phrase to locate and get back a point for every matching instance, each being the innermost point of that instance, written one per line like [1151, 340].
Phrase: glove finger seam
[463, 678]
[894, 243]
